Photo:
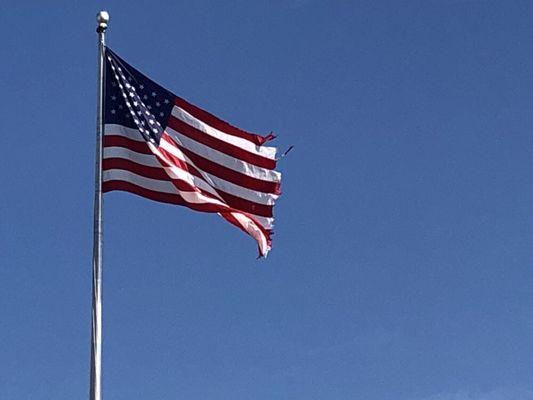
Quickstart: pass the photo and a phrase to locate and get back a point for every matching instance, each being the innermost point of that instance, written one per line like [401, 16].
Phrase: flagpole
[96, 334]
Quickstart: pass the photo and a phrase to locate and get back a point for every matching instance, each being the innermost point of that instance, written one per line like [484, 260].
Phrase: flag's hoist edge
[161, 147]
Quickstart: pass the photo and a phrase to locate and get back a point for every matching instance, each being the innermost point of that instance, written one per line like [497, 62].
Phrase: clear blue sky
[402, 260]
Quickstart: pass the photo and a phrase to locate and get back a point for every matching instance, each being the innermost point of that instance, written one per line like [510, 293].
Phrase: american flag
[161, 147]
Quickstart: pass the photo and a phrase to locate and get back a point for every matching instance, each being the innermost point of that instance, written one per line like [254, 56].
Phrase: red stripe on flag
[170, 198]
[121, 141]
[142, 170]
[248, 206]
[219, 124]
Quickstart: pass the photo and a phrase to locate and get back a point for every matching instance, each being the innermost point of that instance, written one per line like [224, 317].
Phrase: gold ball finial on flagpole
[102, 18]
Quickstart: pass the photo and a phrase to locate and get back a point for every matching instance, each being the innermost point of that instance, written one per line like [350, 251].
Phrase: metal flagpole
[96, 336]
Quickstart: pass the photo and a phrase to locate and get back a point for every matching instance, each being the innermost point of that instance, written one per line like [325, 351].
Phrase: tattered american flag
[159, 146]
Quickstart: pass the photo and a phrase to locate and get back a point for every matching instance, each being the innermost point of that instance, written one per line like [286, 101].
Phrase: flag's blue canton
[133, 100]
